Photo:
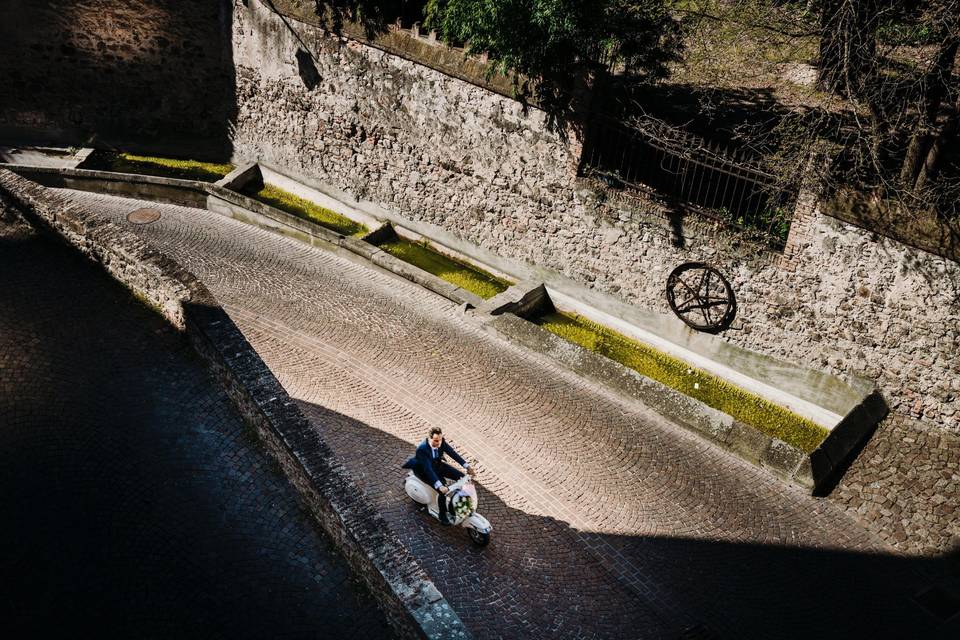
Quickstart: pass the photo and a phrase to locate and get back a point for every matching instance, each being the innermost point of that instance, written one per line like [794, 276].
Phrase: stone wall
[411, 602]
[153, 74]
[437, 149]
[440, 150]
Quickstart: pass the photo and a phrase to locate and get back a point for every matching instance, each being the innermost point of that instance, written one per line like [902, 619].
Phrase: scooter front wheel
[479, 538]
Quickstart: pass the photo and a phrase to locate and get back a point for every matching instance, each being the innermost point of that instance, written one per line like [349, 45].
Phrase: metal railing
[690, 170]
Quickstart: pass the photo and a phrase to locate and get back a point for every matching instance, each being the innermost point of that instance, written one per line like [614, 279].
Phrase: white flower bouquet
[462, 506]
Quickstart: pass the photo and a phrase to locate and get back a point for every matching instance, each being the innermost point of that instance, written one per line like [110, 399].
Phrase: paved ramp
[610, 521]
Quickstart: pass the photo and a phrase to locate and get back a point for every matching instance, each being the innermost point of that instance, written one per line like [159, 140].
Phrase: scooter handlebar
[459, 484]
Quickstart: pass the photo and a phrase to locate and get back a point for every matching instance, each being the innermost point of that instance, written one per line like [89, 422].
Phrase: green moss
[307, 210]
[465, 276]
[166, 167]
[766, 416]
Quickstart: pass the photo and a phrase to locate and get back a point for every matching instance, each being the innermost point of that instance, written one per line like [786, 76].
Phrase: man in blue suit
[429, 466]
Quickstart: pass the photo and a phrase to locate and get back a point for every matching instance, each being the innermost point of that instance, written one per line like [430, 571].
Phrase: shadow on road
[732, 589]
[134, 501]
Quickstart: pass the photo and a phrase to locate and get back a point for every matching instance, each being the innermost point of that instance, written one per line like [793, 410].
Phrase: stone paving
[135, 502]
[906, 486]
[610, 521]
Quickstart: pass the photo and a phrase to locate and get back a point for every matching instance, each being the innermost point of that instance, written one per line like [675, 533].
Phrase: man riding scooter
[429, 466]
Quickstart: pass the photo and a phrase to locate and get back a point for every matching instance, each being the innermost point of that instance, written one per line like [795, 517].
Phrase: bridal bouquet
[462, 506]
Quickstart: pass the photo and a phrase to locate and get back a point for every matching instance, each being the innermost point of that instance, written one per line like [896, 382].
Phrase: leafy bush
[902, 33]
[766, 416]
[545, 41]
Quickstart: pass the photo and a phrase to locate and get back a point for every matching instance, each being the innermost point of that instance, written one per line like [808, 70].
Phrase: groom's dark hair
[434, 431]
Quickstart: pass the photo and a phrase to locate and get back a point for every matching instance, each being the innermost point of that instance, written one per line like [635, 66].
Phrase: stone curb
[410, 600]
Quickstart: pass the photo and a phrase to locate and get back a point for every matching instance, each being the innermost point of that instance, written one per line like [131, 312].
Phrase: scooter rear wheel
[479, 538]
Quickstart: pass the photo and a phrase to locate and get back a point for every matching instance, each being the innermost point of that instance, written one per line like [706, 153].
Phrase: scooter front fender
[478, 522]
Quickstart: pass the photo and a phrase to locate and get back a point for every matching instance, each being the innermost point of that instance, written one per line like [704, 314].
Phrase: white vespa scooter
[459, 512]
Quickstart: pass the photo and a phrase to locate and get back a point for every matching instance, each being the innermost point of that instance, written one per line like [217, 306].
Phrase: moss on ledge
[295, 205]
[162, 167]
[744, 406]
[465, 276]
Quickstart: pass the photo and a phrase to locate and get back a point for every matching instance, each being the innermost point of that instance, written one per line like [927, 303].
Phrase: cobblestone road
[134, 503]
[609, 520]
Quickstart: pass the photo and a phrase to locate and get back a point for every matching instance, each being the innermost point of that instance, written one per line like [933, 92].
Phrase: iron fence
[690, 170]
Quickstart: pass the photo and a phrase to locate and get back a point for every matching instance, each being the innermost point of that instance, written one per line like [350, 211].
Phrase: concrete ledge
[188, 193]
[527, 300]
[361, 248]
[240, 177]
[41, 156]
[246, 209]
[410, 600]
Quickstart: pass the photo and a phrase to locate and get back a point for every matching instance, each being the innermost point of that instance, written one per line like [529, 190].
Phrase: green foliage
[773, 223]
[166, 167]
[770, 418]
[307, 210]
[901, 33]
[776, 222]
[545, 41]
[467, 277]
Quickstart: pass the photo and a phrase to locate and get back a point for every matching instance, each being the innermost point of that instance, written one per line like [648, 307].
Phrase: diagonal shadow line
[732, 589]
[534, 490]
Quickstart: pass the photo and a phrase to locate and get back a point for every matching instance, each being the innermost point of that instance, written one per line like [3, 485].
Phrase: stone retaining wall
[440, 150]
[414, 606]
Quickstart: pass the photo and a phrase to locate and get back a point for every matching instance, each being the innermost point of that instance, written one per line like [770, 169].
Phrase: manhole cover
[143, 216]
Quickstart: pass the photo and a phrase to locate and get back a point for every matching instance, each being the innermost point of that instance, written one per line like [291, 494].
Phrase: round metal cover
[143, 216]
[701, 297]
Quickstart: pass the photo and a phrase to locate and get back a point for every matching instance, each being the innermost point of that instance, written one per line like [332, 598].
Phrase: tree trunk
[931, 164]
[830, 57]
[847, 45]
[913, 173]
[912, 161]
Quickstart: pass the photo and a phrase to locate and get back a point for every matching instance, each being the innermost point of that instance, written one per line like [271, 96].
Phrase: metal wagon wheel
[701, 297]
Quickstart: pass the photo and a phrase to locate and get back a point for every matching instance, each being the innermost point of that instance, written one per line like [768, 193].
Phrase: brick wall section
[440, 150]
[147, 73]
[802, 230]
[414, 606]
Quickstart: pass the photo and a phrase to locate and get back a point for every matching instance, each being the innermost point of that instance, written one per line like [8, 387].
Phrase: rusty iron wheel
[701, 297]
